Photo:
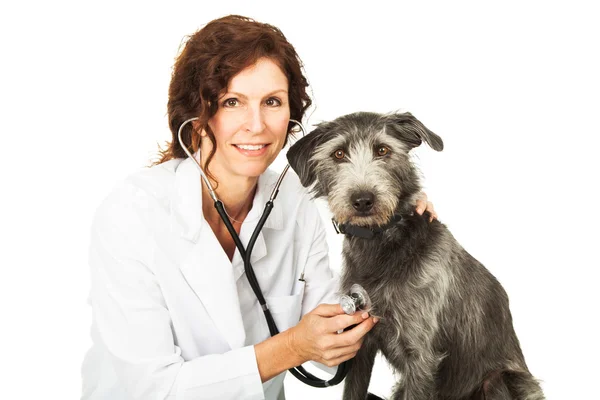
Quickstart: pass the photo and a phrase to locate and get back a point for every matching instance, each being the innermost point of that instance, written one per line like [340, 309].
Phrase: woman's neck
[237, 195]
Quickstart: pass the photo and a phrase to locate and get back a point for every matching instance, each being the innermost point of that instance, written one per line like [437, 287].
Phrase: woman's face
[251, 122]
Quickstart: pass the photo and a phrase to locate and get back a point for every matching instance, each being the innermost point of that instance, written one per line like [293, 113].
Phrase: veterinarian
[173, 313]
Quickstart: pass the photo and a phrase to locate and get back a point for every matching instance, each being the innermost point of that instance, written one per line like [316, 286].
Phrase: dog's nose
[362, 201]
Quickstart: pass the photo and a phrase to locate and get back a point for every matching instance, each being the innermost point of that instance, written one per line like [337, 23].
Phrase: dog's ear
[299, 154]
[411, 131]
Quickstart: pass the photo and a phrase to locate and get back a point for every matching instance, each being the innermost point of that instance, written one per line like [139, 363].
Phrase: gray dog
[445, 323]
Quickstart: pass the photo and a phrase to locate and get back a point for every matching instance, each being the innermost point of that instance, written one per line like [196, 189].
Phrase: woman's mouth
[251, 149]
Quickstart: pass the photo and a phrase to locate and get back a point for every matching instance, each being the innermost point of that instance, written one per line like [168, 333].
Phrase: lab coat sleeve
[132, 321]
[321, 282]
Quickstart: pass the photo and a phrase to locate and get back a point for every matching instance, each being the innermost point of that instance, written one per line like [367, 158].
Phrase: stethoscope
[299, 371]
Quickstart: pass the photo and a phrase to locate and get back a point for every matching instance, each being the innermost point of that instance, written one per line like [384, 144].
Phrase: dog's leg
[493, 388]
[359, 376]
[509, 385]
[522, 385]
[419, 378]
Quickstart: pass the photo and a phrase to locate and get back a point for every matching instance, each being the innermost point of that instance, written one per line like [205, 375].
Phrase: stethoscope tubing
[299, 371]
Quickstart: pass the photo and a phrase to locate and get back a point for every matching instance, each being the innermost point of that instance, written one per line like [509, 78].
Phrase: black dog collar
[362, 231]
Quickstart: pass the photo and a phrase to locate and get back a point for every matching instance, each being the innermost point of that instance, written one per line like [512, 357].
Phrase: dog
[445, 326]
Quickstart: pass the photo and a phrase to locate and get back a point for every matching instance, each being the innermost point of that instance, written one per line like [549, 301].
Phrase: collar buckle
[339, 228]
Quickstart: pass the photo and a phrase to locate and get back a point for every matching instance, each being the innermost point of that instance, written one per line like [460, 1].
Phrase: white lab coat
[172, 316]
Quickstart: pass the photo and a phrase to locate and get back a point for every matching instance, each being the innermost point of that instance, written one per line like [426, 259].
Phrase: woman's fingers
[337, 361]
[431, 211]
[341, 322]
[421, 203]
[354, 335]
[424, 205]
[337, 356]
[328, 310]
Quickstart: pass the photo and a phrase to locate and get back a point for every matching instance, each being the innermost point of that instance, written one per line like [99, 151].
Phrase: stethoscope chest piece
[357, 300]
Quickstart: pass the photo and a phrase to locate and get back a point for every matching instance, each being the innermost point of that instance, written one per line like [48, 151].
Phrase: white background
[512, 88]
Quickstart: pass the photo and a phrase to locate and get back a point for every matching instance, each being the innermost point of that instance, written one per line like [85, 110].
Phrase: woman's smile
[252, 150]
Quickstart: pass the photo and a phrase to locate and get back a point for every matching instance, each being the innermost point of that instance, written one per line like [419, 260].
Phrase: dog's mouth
[363, 213]
[364, 218]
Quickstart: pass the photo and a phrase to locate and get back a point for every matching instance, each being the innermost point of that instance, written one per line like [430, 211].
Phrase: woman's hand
[424, 205]
[315, 338]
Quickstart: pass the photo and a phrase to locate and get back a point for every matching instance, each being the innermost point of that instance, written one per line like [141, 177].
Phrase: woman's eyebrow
[243, 96]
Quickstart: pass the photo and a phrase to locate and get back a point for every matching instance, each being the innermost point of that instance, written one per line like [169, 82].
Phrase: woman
[173, 314]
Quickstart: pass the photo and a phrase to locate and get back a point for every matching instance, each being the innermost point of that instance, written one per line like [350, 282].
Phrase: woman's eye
[339, 154]
[230, 103]
[382, 151]
[273, 102]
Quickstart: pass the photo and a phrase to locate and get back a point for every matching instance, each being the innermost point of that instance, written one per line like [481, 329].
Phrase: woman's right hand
[315, 338]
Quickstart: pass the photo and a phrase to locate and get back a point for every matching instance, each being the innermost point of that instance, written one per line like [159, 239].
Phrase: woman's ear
[412, 132]
[196, 126]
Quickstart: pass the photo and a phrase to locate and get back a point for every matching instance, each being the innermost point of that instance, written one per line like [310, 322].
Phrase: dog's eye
[382, 151]
[339, 154]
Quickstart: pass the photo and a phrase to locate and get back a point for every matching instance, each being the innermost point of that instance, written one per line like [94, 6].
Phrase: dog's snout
[362, 201]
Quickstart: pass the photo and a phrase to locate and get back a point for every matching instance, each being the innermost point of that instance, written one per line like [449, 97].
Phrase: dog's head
[360, 163]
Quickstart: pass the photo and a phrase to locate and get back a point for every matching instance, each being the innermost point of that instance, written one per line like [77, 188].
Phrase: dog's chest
[400, 307]
[408, 304]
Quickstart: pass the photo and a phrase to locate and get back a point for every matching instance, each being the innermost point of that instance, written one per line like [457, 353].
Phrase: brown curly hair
[209, 60]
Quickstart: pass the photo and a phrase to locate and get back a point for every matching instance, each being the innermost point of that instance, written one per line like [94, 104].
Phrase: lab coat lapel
[206, 267]
[210, 274]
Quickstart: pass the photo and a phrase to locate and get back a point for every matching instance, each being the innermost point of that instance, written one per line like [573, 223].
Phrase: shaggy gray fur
[445, 322]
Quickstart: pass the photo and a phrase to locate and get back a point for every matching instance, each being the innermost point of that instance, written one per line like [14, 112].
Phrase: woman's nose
[255, 120]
